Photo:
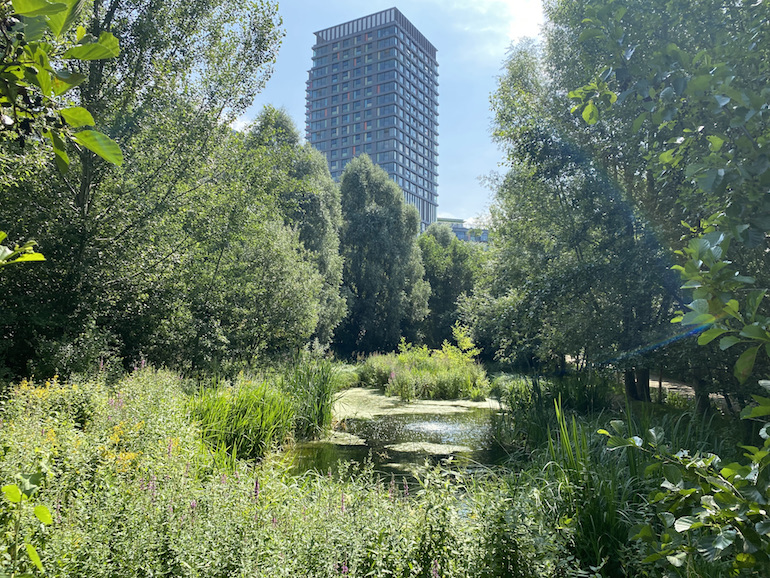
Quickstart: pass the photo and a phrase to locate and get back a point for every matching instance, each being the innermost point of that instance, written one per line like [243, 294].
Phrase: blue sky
[472, 37]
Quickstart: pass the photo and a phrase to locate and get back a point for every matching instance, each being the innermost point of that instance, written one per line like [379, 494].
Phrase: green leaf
[677, 560]
[100, 144]
[36, 7]
[724, 539]
[728, 342]
[695, 318]
[32, 553]
[64, 80]
[591, 113]
[43, 514]
[710, 335]
[12, 493]
[61, 21]
[754, 332]
[61, 156]
[106, 47]
[77, 116]
[590, 33]
[745, 364]
[684, 523]
[29, 257]
[715, 143]
[672, 474]
[620, 442]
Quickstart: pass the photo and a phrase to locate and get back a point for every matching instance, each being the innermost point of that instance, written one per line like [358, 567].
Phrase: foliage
[16, 498]
[309, 201]
[18, 254]
[383, 274]
[451, 267]
[135, 492]
[246, 420]
[246, 273]
[572, 271]
[699, 102]
[528, 418]
[312, 385]
[705, 508]
[418, 372]
[34, 44]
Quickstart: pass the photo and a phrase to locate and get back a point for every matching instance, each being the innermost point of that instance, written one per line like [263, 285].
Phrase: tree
[586, 277]
[32, 92]
[309, 200]
[451, 266]
[118, 240]
[699, 107]
[383, 273]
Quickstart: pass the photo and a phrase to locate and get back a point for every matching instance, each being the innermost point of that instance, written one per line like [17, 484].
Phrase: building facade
[465, 231]
[373, 89]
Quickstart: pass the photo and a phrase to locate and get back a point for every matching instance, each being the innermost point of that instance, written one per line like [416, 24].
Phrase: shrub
[418, 372]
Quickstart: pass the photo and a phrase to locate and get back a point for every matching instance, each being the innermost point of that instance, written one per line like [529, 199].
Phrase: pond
[399, 437]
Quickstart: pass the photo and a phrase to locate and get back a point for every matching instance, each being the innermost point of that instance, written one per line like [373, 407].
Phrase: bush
[418, 372]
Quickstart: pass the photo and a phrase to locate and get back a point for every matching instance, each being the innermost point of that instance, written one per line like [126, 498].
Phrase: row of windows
[321, 69]
[413, 117]
[414, 105]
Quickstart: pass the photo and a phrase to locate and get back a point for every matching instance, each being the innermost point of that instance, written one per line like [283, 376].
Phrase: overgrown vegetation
[171, 238]
[416, 372]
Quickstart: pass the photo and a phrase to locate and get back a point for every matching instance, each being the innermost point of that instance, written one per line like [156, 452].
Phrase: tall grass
[311, 383]
[245, 420]
[133, 492]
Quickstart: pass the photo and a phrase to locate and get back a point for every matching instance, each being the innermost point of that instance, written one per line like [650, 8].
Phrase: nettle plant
[706, 508]
[19, 552]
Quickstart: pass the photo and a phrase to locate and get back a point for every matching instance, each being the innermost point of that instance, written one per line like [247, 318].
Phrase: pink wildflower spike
[342, 505]
[256, 489]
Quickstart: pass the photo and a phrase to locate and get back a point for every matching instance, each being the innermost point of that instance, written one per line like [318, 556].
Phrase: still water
[400, 437]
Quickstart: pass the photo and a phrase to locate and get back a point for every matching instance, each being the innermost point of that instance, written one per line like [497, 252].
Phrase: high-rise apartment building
[373, 89]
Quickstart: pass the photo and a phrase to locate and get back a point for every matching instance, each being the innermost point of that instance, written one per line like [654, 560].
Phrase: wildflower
[342, 506]
[406, 488]
[434, 569]
[256, 489]
[193, 504]
[275, 522]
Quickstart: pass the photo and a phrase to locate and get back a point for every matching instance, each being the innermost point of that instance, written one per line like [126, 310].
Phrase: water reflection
[399, 443]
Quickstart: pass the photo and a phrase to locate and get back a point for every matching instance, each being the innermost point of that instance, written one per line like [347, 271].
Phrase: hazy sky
[472, 38]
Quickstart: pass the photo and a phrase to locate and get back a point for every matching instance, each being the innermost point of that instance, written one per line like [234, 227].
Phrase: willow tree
[383, 282]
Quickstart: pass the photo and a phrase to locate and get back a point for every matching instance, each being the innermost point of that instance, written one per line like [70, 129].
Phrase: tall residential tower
[373, 89]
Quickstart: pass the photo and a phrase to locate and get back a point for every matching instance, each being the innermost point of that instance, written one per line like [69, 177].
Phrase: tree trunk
[630, 382]
[643, 384]
[702, 402]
